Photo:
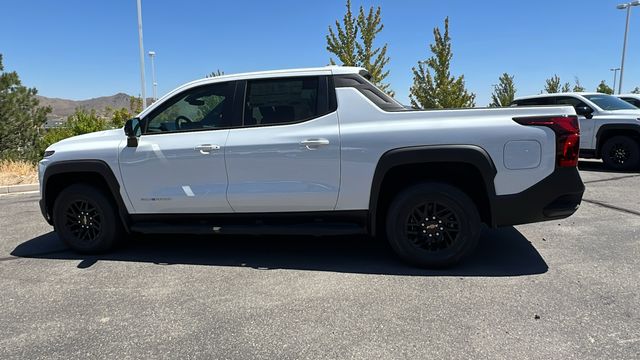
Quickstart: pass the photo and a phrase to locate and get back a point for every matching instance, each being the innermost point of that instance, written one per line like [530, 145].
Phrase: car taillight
[567, 136]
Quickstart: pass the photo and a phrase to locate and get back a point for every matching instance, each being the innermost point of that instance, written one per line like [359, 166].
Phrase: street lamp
[152, 54]
[615, 74]
[144, 95]
[626, 6]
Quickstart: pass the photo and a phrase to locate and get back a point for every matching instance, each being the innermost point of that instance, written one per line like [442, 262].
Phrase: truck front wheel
[621, 153]
[86, 220]
[433, 225]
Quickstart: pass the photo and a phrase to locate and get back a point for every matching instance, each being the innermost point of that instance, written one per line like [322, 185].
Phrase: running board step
[315, 229]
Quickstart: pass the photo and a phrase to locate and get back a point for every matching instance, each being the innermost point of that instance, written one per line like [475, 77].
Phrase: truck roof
[334, 69]
[557, 94]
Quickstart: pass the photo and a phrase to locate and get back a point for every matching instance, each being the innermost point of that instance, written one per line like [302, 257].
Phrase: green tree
[215, 73]
[552, 85]
[565, 88]
[577, 87]
[353, 44]
[84, 122]
[119, 117]
[503, 93]
[374, 59]
[21, 118]
[342, 42]
[636, 90]
[440, 90]
[604, 88]
[78, 123]
[135, 104]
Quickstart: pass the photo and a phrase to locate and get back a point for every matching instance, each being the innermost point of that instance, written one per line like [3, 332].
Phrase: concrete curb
[12, 189]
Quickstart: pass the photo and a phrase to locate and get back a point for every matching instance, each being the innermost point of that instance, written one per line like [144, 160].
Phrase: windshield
[608, 102]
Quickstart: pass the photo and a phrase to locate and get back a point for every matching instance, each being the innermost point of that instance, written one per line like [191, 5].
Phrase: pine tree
[215, 73]
[565, 88]
[353, 43]
[370, 58]
[342, 42]
[552, 85]
[578, 87]
[636, 90]
[440, 90]
[604, 88]
[503, 93]
[21, 118]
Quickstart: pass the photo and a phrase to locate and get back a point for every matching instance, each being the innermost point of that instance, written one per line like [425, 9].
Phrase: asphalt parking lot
[557, 290]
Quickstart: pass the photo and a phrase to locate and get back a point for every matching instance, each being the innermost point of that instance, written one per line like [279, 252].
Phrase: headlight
[48, 153]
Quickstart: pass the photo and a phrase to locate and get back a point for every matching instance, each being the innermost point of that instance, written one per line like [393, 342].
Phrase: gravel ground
[556, 290]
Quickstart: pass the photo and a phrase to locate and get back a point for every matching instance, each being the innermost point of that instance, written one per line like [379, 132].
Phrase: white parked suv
[609, 126]
[313, 152]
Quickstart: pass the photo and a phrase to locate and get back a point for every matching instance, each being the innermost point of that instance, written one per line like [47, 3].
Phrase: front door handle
[206, 148]
[313, 144]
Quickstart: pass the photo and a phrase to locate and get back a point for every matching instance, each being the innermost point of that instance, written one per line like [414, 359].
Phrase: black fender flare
[467, 154]
[83, 166]
[614, 127]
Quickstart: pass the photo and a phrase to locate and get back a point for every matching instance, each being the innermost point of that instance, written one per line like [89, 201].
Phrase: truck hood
[626, 113]
[105, 135]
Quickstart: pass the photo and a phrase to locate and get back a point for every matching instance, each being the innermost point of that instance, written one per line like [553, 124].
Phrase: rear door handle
[312, 144]
[206, 148]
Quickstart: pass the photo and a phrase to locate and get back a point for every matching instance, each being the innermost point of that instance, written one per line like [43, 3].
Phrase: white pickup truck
[610, 127]
[313, 152]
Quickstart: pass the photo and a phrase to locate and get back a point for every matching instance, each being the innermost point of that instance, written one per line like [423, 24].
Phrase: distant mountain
[61, 108]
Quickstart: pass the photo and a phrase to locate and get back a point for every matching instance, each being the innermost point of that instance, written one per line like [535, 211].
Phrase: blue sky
[82, 49]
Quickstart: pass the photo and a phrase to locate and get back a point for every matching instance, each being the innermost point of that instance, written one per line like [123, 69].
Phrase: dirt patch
[17, 172]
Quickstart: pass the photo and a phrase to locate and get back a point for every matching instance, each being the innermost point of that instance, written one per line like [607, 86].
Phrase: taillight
[567, 136]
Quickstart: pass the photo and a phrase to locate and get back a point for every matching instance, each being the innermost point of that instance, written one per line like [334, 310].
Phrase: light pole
[615, 75]
[144, 95]
[626, 6]
[152, 54]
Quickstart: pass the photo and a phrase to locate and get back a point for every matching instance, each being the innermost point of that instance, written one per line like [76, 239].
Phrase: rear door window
[633, 101]
[536, 101]
[281, 101]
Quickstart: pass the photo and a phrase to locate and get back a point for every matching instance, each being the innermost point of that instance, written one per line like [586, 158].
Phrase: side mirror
[133, 131]
[584, 111]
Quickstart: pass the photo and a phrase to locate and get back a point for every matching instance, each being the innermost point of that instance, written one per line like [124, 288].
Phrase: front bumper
[555, 197]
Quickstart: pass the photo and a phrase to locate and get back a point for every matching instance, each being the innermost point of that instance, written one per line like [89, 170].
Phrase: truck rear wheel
[621, 153]
[433, 225]
[86, 220]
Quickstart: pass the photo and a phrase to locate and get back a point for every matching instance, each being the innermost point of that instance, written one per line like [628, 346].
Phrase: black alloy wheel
[83, 221]
[433, 225]
[86, 219]
[621, 153]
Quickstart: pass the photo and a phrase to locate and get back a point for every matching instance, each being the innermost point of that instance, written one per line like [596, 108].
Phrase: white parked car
[609, 126]
[313, 152]
[633, 99]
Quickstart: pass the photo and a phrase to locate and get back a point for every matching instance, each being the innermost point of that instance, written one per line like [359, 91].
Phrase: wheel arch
[455, 159]
[607, 131]
[60, 175]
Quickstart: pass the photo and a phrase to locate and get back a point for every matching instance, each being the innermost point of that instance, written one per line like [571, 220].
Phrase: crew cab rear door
[286, 155]
[178, 166]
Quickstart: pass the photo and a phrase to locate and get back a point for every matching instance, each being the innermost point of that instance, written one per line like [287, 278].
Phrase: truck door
[286, 155]
[178, 165]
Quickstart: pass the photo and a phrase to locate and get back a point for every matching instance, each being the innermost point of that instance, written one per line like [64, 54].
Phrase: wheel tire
[621, 153]
[86, 220]
[453, 233]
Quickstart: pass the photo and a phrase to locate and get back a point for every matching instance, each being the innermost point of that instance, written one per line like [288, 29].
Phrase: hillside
[61, 108]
